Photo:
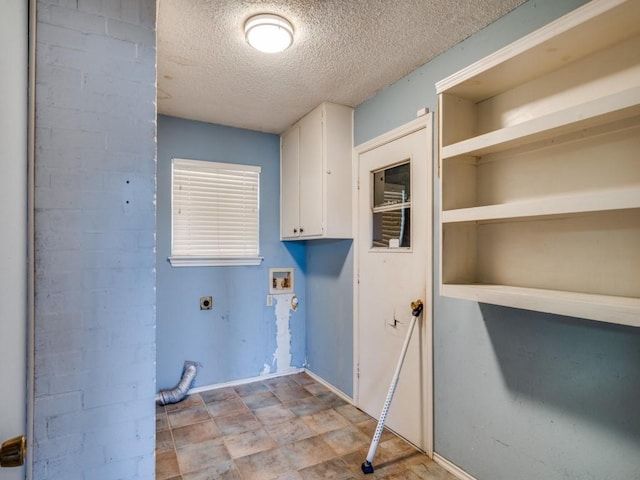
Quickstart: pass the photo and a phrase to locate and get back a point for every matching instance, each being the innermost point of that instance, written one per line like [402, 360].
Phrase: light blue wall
[518, 394]
[330, 311]
[238, 336]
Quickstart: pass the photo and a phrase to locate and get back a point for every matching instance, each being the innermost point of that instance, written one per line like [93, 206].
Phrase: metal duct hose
[177, 393]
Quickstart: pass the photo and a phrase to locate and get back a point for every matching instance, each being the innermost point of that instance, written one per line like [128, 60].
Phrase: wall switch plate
[206, 303]
[269, 300]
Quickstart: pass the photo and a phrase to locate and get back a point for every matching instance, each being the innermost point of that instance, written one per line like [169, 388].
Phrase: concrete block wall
[95, 173]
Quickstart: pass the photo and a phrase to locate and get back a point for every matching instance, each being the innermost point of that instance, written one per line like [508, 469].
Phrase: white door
[13, 212]
[393, 249]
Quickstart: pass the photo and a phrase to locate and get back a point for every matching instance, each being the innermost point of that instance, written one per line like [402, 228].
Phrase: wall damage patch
[282, 356]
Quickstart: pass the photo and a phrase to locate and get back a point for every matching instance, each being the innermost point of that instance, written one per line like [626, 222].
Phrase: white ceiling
[344, 51]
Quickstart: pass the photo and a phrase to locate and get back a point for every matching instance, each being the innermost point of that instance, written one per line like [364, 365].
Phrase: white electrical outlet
[269, 300]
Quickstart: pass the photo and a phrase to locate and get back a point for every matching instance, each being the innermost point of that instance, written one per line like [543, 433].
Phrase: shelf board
[593, 201]
[599, 111]
[619, 310]
[586, 30]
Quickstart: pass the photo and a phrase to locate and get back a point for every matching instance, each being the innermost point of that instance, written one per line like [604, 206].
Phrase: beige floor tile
[267, 465]
[346, 439]
[305, 453]
[222, 408]
[260, 400]
[335, 469]
[222, 471]
[288, 394]
[265, 431]
[427, 469]
[403, 475]
[302, 378]
[385, 463]
[354, 462]
[274, 414]
[202, 455]
[196, 433]
[218, 395]
[188, 416]
[394, 448]
[290, 476]
[307, 406]
[248, 443]
[242, 422]
[164, 441]
[325, 421]
[279, 382]
[331, 399]
[316, 388]
[290, 431]
[250, 388]
[166, 465]
[353, 414]
[368, 427]
[162, 422]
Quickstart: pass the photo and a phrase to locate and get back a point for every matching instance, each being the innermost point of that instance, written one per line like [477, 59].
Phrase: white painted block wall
[95, 240]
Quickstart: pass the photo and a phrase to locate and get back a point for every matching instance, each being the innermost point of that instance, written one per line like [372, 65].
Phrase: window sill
[177, 261]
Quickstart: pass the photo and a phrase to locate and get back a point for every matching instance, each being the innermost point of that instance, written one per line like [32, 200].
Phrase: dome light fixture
[268, 33]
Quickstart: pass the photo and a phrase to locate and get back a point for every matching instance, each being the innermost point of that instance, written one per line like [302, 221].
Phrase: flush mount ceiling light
[268, 33]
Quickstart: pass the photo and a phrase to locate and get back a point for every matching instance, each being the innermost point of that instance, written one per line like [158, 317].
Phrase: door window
[391, 207]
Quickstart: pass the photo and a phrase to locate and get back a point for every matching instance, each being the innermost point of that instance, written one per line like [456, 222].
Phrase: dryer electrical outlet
[206, 303]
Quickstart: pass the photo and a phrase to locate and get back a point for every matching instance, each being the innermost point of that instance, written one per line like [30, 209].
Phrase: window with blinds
[215, 211]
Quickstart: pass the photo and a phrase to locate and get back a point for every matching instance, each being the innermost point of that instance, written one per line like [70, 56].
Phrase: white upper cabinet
[540, 169]
[315, 172]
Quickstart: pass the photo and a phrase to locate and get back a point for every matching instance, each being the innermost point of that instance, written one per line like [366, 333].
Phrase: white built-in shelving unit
[540, 169]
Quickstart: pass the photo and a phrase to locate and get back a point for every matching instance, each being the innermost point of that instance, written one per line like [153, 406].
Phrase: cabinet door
[290, 187]
[311, 174]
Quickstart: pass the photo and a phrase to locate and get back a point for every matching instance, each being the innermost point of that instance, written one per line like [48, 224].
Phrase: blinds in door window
[215, 210]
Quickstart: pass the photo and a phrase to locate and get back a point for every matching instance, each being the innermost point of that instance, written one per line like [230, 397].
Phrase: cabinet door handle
[301, 230]
[295, 230]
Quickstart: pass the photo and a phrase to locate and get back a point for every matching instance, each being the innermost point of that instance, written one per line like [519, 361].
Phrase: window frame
[185, 260]
[400, 206]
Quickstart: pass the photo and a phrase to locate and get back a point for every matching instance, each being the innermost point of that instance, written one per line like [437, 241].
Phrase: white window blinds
[215, 213]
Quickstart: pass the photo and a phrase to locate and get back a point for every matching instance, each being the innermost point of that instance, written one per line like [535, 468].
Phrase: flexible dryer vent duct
[177, 393]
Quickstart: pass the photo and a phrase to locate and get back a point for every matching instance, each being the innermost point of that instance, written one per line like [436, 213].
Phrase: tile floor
[285, 428]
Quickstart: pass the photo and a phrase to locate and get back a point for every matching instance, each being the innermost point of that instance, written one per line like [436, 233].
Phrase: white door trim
[31, 269]
[419, 123]
[398, 132]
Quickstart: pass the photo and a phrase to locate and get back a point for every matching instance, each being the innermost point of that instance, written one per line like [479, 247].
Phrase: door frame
[17, 241]
[423, 122]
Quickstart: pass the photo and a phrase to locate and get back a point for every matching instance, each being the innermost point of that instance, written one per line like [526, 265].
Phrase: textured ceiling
[344, 51]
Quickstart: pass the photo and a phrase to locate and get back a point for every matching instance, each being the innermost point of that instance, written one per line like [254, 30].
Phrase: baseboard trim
[335, 390]
[451, 467]
[242, 381]
[260, 378]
